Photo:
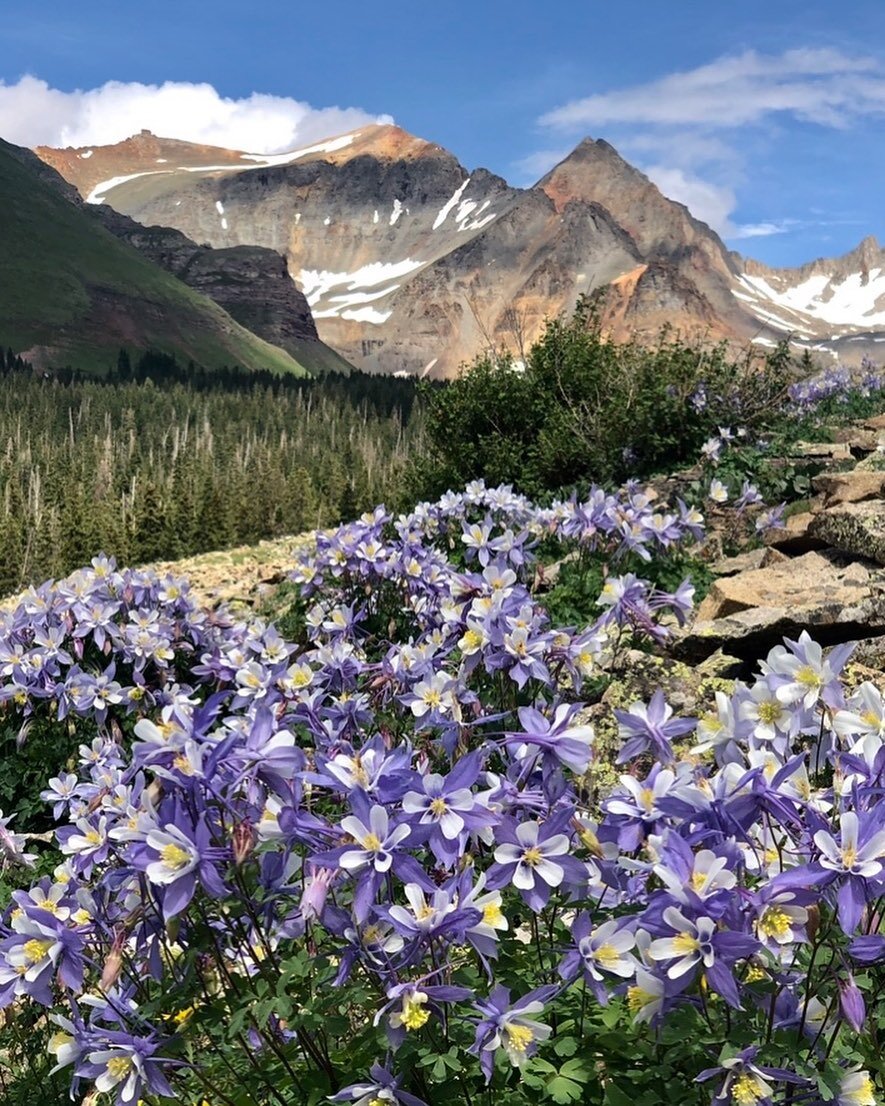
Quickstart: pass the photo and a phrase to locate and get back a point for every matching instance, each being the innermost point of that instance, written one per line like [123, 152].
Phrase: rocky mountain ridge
[411, 263]
[251, 283]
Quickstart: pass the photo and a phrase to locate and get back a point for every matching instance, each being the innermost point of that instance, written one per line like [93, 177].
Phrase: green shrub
[586, 409]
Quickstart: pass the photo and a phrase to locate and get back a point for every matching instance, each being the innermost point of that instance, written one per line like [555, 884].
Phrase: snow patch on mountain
[316, 283]
[97, 195]
[448, 205]
[328, 147]
[858, 299]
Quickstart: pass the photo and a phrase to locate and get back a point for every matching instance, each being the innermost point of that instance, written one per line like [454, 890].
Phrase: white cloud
[33, 114]
[531, 168]
[821, 86]
[711, 203]
[764, 230]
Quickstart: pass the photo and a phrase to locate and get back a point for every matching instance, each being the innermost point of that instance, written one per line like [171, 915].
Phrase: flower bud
[113, 964]
[243, 841]
[851, 1003]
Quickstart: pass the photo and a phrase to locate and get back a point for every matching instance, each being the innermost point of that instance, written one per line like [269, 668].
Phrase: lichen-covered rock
[854, 528]
[745, 562]
[795, 536]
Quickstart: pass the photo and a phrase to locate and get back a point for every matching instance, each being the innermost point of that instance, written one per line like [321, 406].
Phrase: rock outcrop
[251, 283]
[823, 571]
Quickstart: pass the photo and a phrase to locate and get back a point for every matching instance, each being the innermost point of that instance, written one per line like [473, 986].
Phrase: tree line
[155, 462]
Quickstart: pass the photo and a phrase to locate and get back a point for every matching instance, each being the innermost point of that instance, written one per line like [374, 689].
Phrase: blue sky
[766, 118]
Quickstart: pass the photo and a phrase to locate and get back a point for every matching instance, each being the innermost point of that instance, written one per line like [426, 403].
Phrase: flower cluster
[397, 805]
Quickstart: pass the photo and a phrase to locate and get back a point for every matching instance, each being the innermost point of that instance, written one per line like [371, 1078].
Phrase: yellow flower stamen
[520, 1037]
[606, 955]
[414, 1014]
[638, 999]
[174, 856]
[685, 943]
[119, 1067]
[769, 711]
[492, 914]
[775, 922]
[745, 1090]
[35, 950]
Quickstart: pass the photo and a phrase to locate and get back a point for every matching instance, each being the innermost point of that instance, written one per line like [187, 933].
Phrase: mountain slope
[71, 293]
[410, 263]
[251, 283]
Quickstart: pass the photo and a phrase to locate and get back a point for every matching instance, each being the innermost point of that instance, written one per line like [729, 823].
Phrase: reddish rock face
[410, 263]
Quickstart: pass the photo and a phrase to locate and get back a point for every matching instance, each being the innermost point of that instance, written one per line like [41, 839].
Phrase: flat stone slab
[748, 613]
[798, 582]
[855, 486]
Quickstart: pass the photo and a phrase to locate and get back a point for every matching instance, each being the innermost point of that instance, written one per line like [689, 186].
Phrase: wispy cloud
[765, 230]
[32, 113]
[826, 86]
[682, 128]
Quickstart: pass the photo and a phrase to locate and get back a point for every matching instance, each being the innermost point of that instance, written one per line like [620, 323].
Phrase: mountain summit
[411, 263]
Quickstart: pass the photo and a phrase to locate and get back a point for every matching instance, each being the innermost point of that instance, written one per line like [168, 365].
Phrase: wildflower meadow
[373, 864]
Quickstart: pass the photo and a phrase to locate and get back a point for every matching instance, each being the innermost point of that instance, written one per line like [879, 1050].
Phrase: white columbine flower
[178, 855]
[846, 856]
[691, 944]
[533, 857]
[718, 491]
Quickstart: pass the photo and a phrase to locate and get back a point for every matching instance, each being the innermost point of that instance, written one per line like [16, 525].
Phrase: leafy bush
[585, 409]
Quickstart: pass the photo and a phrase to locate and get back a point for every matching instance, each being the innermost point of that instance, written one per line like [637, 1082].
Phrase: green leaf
[575, 1069]
[564, 1090]
[565, 1046]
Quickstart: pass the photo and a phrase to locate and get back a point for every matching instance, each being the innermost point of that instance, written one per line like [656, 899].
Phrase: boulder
[745, 615]
[795, 535]
[789, 583]
[744, 562]
[854, 528]
[824, 452]
[853, 486]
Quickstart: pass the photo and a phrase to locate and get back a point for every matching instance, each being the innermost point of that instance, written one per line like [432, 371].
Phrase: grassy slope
[71, 288]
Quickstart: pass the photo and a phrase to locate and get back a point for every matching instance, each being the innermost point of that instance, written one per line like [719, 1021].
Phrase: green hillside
[73, 294]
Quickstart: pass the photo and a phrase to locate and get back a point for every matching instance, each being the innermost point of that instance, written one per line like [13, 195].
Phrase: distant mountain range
[412, 264]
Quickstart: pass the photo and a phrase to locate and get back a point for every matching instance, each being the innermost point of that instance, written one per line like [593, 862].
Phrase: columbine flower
[509, 1026]
[646, 997]
[805, 674]
[535, 858]
[746, 1083]
[854, 862]
[127, 1066]
[856, 1089]
[383, 1090]
[12, 846]
[781, 919]
[599, 952]
[701, 943]
[562, 741]
[718, 491]
[649, 727]
[375, 841]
